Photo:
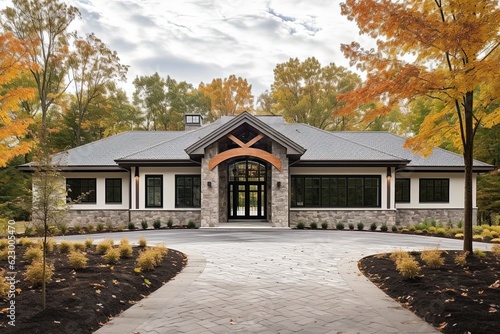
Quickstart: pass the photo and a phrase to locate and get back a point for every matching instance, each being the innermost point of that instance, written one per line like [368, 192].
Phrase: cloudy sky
[199, 40]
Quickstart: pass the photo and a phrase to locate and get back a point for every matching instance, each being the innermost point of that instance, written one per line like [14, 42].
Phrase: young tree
[228, 96]
[445, 50]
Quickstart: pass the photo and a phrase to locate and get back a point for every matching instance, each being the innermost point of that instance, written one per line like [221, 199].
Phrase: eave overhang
[350, 163]
[444, 169]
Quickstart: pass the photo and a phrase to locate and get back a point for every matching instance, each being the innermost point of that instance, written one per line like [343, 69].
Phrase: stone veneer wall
[84, 217]
[209, 195]
[407, 217]
[179, 217]
[278, 215]
[223, 200]
[332, 217]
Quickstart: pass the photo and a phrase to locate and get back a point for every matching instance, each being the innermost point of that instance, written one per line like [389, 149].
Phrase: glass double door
[247, 200]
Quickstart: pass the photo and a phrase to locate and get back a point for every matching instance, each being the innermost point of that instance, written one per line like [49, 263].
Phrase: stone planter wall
[84, 217]
[332, 217]
[179, 217]
[407, 217]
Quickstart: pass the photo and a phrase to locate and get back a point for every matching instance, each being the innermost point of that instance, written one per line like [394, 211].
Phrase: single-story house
[261, 168]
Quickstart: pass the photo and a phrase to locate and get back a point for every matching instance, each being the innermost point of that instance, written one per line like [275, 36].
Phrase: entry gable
[197, 149]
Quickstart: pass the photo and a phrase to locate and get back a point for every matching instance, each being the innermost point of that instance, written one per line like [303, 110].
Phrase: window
[113, 190]
[187, 191]
[336, 191]
[402, 190]
[192, 119]
[154, 191]
[81, 190]
[434, 190]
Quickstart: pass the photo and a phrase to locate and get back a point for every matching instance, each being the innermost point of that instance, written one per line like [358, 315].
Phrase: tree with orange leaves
[228, 96]
[13, 126]
[447, 51]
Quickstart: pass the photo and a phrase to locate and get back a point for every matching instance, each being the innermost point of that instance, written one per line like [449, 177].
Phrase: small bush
[90, 227]
[397, 255]
[170, 223]
[459, 235]
[77, 260]
[408, 268]
[131, 226]
[26, 242]
[79, 246]
[384, 228]
[191, 224]
[411, 228]
[65, 247]
[109, 226]
[461, 258]
[300, 225]
[77, 228]
[111, 256]
[373, 226]
[479, 253]
[314, 226]
[62, 227]
[4, 243]
[50, 244]
[351, 226]
[432, 257]
[34, 272]
[100, 227]
[440, 231]
[361, 226]
[160, 251]
[339, 226]
[104, 246]
[4, 287]
[324, 225]
[28, 230]
[4, 254]
[142, 242]
[147, 260]
[125, 248]
[460, 224]
[157, 224]
[394, 228]
[88, 243]
[477, 237]
[477, 229]
[495, 241]
[144, 224]
[495, 249]
[33, 253]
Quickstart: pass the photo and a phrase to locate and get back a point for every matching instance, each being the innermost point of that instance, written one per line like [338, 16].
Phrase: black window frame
[81, 190]
[191, 197]
[336, 191]
[403, 190]
[113, 192]
[157, 189]
[427, 190]
[193, 119]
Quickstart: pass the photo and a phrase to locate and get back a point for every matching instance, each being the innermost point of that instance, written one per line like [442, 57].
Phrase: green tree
[454, 51]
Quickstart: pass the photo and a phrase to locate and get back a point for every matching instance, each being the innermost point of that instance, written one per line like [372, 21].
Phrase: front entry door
[247, 190]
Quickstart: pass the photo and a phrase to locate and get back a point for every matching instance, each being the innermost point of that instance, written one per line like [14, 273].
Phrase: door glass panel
[231, 194]
[240, 208]
[253, 200]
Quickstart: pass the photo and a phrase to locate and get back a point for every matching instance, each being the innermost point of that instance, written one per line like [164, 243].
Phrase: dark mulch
[454, 299]
[81, 301]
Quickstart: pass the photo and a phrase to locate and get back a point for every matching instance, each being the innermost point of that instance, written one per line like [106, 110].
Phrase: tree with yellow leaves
[228, 96]
[13, 126]
[447, 51]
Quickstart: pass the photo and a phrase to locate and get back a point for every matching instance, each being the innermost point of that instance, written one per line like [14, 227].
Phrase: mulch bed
[81, 301]
[453, 298]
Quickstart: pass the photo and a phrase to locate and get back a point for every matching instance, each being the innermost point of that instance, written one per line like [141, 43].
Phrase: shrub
[432, 257]
[324, 225]
[111, 256]
[4, 254]
[131, 226]
[477, 237]
[496, 250]
[461, 258]
[397, 255]
[4, 287]
[77, 260]
[26, 242]
[65, 247]
[88, 243]
[495, 241]
[314, 226]
[33, 253]
[384, 228]
[459, 235]
[479, 253]
[408, 268]
[351, 226]
[51, 244]
[109, 226]
[440, 231]
[394, 228]
[300, 225]
[157, 224]
[373, 226]
[144, 224]
[28, 230]
[170, 223]
[191, 224]
[460, 224]
[411, 228]
[104, 246]
[477, 229]
[90, 227]
[146, 260]
[77, 228]
[100, 227]
[63, 227]
[339, 226]
[432, 229]
[79, 246]
[125, 248]
[4, 243]
[361, 226]
[486, 233]
[159, 252]
[142, 242]
[34, 272]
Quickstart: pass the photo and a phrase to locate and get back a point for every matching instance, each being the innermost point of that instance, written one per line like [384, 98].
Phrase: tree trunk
[468, 162]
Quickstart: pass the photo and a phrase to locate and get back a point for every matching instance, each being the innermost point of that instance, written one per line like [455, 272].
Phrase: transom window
[434, 190]
[336, 191]
[154, 191]
[247, 170]
[402, 191]
[81, 190]
[113, 190]
[187, 191]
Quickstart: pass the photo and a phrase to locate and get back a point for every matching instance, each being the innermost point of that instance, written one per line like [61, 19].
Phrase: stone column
[209, 194]
[279, 195]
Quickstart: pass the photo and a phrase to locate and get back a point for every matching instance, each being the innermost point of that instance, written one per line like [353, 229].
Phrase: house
[261, 168]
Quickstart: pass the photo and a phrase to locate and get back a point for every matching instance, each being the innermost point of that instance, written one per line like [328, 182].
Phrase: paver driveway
[272, 281]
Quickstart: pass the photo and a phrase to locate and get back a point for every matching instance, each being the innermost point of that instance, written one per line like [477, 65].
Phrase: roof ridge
[353, 142]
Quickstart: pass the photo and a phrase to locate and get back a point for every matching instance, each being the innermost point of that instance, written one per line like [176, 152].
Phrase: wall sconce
[209, 184]
[278, 184]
